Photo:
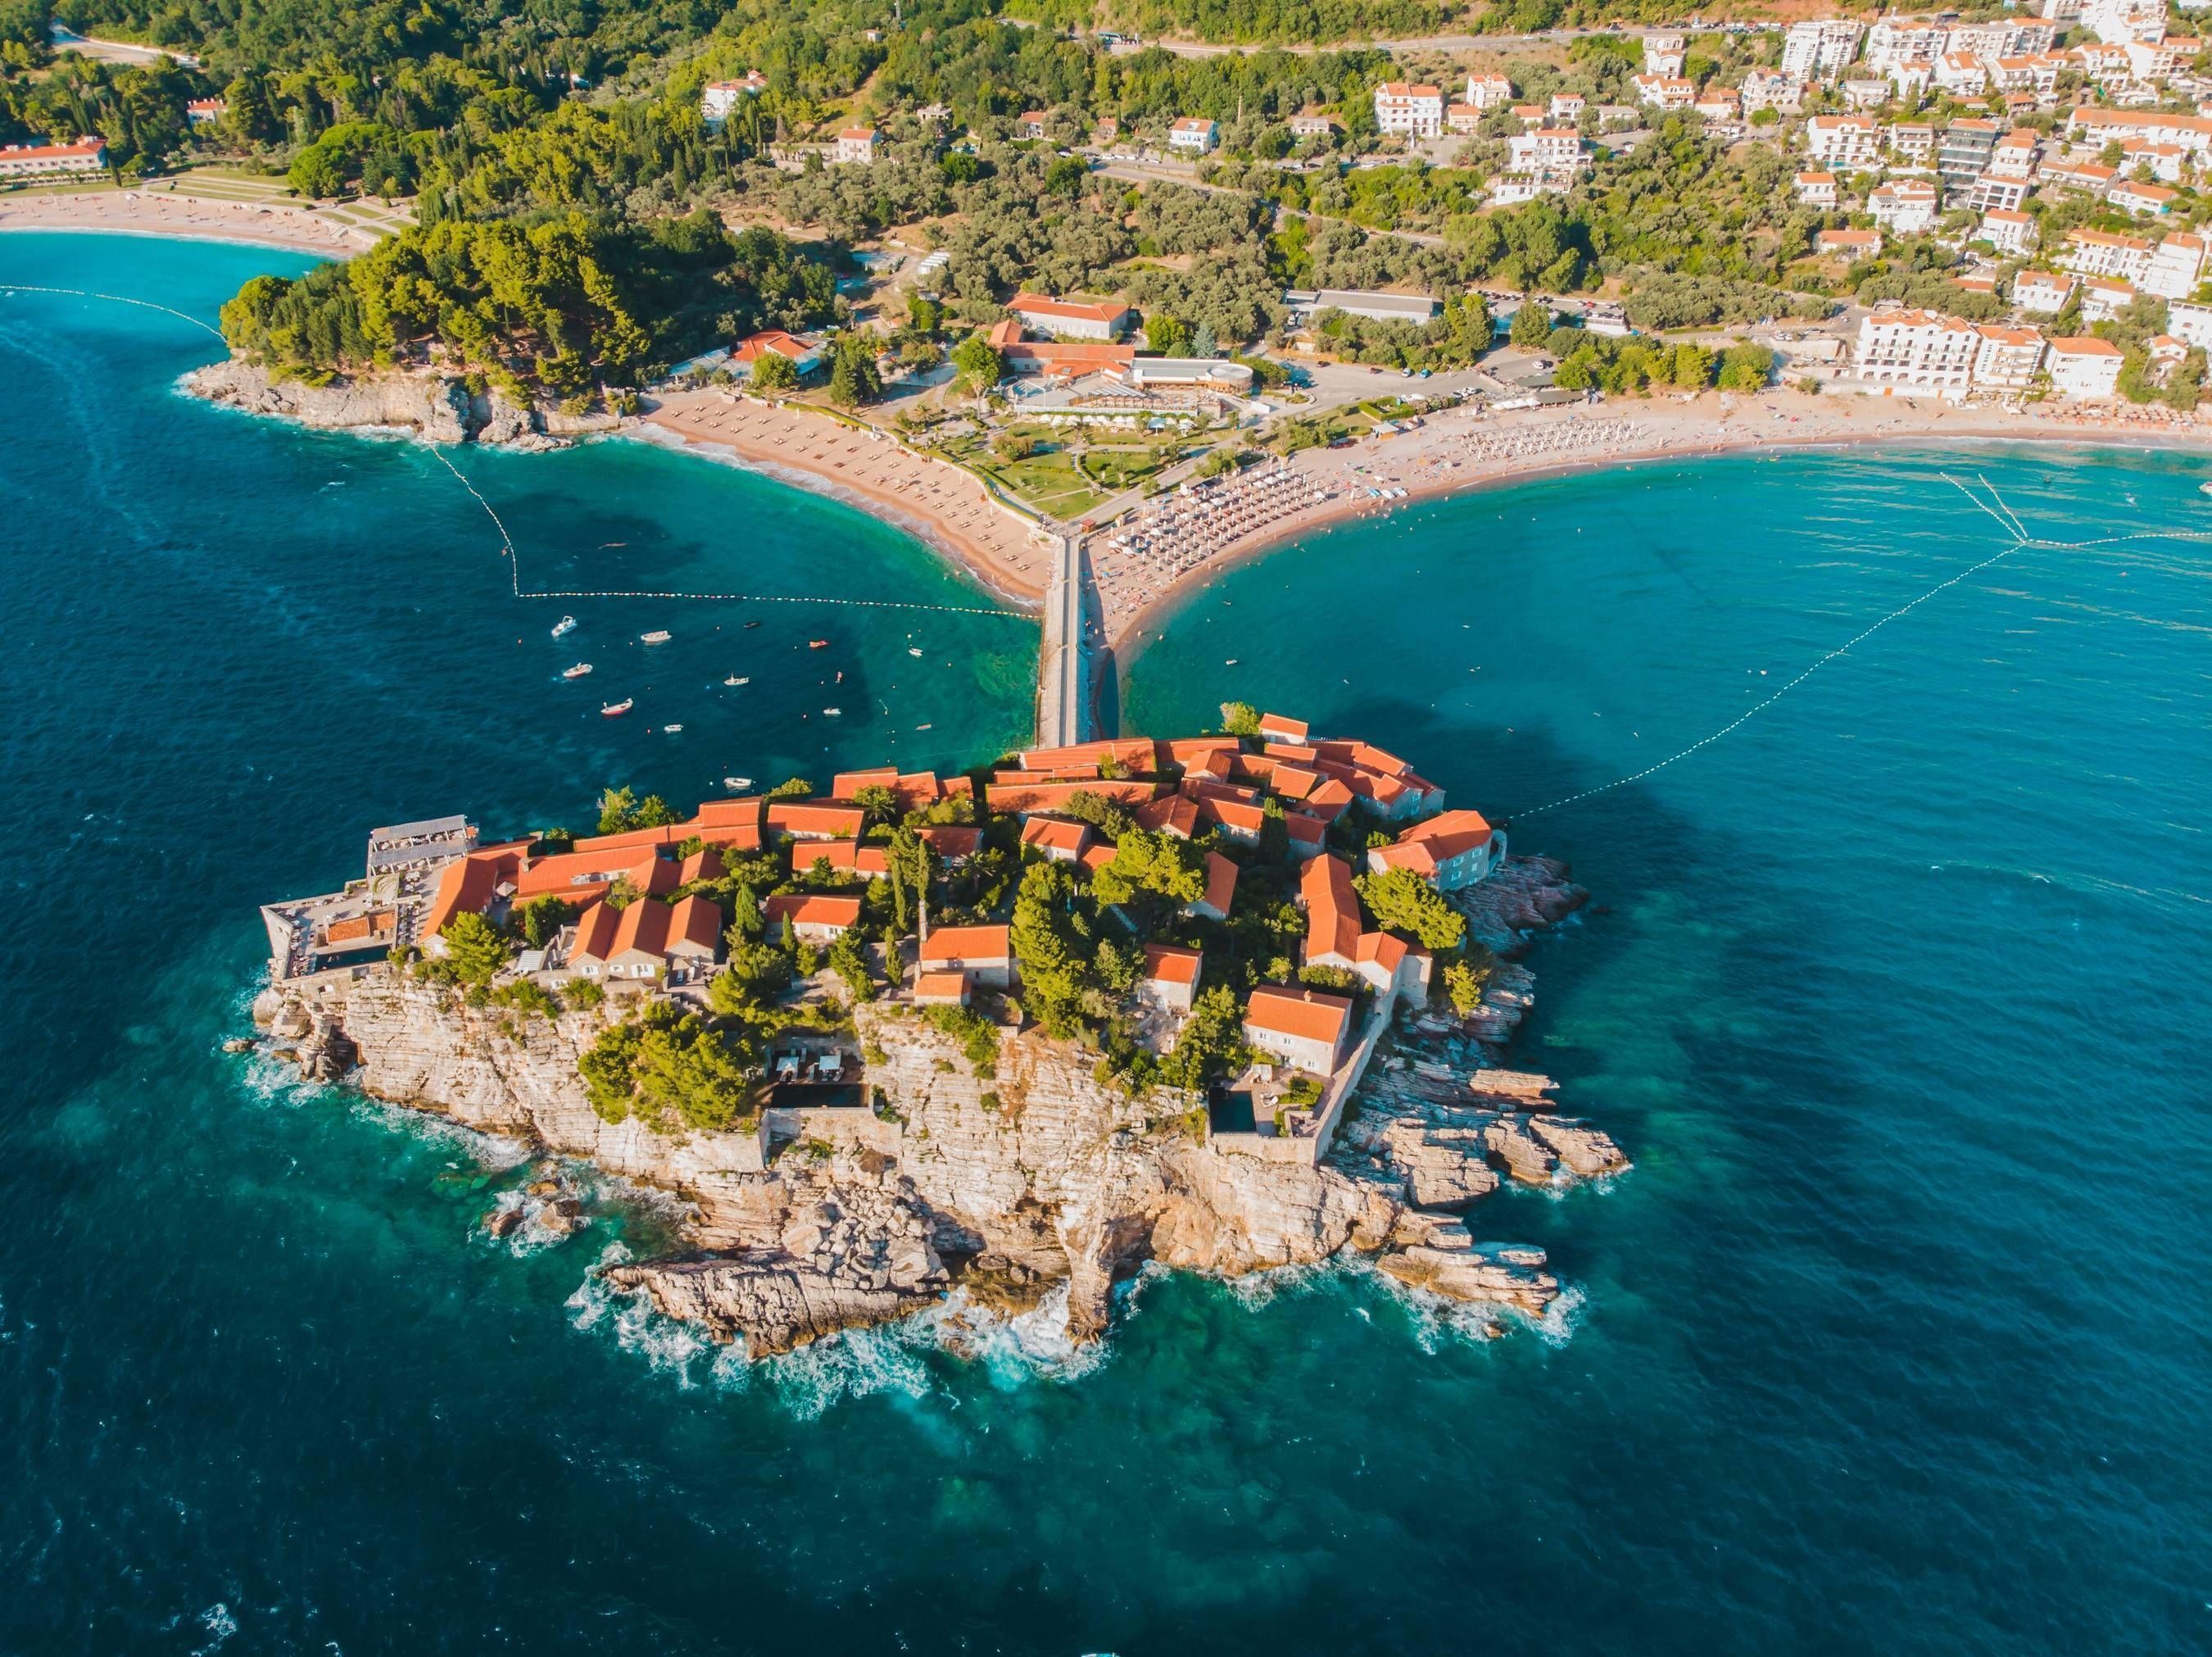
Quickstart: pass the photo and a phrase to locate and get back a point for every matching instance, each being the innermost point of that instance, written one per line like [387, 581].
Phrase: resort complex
[1239, 916]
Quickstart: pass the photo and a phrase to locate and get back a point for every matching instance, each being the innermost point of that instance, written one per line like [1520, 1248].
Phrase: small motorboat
[832, 712]
[567, 625]
[659, 635]
[751, 624]
[1231, 662]
[924, 728]
[737, 678]
[736, 782]
[914, 650]
[672, 729]
[2204, 489]
[576, 672]
[817, 644]
[617, 709]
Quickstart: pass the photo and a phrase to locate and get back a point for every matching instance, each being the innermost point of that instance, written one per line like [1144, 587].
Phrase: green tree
[1240, 719]
[474, 946]
[1145, 861]
[1402, 901]
[1167, 336]
[541, 917]
[979, 363]
[1211, 1043]
[853, 376]
[746, 921]
[1532, 324]
[1049, 948]
[773, 372]
[793, 788]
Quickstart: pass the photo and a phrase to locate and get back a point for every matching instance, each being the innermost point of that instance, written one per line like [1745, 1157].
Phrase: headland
[1018, 1031]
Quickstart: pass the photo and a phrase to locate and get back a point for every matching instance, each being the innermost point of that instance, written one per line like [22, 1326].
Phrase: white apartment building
[1904, 207]
[2175, 266]
[1990, 191]
[1907, 41]
[2191, 324]
[2105, 296]
[1547, 150]
[1843, 141]
[719, 100]
[25, 160]
[1770, 88]
[2009, 230]
[1918, 349]
[1961, 75]
[1820, 49]
[2101, 254]
[1909, 80]
[1193, 134]
[2035, 72]
[1817, 189]
[856, 146]
[1409, 109]
[1913, 141]
[1489, 91]
[2014, 154]
[1665, 91]
[2098, 127]
[2006, 358]
[2084, 367]
[1663, 50]
[2041, 293]
[2166, 161]
[2115, 22]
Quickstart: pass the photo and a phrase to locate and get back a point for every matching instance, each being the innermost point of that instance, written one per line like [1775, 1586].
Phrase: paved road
[113, 51]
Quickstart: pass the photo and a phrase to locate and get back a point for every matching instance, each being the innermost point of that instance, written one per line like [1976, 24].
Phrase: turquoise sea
[1896, 1339]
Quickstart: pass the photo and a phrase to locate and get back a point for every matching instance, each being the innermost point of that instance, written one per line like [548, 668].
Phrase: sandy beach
[945, 506]
[1143, 565]
[1463, 450]
[148, 213]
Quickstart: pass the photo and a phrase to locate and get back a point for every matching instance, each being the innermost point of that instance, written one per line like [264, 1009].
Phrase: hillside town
[1243, 918]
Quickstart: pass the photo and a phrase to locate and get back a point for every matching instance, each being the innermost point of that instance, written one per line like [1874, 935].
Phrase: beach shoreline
[272, 225]
[937, 502]
[1708, 437]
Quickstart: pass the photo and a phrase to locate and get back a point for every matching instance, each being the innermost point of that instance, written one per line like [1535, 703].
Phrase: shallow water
[1895, 1338]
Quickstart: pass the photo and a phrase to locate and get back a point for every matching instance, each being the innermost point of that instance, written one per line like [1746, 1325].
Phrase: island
[1227, 1003]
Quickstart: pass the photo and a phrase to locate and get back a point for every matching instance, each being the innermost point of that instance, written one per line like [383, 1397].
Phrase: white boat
[566, 625]
[913, 651]
[924, 728]
[659, 635]
[832, 712]
[617, 709]
[1231, 662]
[2204, 489]
[736, 782]
[672, 729]
[576, 672]
[737, 678]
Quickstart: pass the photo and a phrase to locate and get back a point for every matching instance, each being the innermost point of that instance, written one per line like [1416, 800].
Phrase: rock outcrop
[441, 407]
[1035, 1171]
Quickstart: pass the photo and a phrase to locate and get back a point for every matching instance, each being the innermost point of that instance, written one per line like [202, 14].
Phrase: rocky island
[1227, 1003]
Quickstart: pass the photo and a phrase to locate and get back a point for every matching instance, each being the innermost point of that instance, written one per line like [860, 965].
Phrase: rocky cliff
[441, 407]
[1037, 1173]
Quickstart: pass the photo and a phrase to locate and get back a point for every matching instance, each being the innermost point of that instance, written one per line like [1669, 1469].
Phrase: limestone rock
[1498, 1274]
[441, 407]
[1587, 1152]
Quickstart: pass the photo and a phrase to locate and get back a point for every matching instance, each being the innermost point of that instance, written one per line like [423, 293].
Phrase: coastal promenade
[1064, 714]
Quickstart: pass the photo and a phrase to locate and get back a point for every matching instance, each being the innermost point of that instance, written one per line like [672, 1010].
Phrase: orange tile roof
[1182, 749]
[1170, 964]
[595, 933]
[1071, 310]
[1172, 813]
[1096, 857]
[1220, 883]
[643, 928]
[1310, 1015]
[1048, 834]
[576, 875]
[967, 943]
[1385, 951]
[1030, 798]
[847, 856]
[952, 986]
[1138, 754]
[1332, 908]
[704, 865]
[696, 923]
[953, 842]
[816, 819]
[811, 909]
[644, 839]
[1235, 814]
[1283, 725]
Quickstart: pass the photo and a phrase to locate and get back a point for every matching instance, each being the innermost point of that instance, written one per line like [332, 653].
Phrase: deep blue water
[1896, 1338]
